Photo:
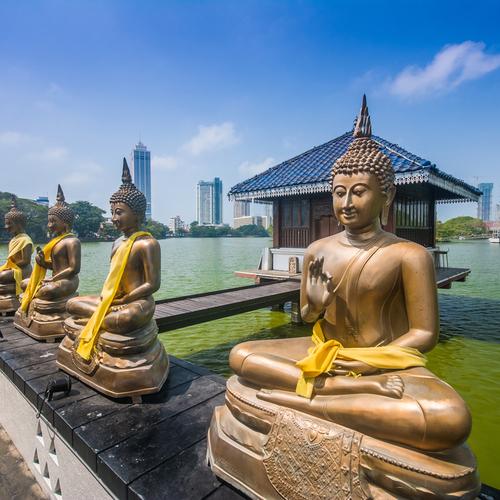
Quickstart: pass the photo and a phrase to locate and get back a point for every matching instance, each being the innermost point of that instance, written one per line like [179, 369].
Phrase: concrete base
[8, 304]
[60, 473]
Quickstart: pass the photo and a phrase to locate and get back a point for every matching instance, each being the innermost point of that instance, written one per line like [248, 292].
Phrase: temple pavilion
[300, 192]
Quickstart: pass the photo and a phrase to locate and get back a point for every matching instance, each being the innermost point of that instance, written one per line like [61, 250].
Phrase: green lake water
[467, 357]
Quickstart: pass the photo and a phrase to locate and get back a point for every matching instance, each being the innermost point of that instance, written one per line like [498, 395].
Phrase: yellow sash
[16, 245]
[90, 333]
[39, 272]
[321, 358]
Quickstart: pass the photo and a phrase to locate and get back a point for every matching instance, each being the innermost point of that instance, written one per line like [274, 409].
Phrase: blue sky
[228, 88]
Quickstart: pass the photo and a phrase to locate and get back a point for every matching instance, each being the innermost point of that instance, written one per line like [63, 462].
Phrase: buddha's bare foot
[389, 385]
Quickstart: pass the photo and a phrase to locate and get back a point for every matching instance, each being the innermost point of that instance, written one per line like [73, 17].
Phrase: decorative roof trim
[418, 177]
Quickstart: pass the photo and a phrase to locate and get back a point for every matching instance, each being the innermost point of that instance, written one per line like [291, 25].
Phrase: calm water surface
[468, 355]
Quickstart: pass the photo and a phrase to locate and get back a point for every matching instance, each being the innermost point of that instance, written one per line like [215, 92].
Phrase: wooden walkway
[179, 312]
[190, 310]
[144, 451]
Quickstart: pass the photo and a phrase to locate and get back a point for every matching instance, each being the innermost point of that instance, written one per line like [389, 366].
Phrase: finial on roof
[126, 177]
[60, 195]
[363, 127]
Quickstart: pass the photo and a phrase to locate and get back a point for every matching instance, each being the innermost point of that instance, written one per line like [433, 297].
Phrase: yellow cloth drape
[39, 272]
[90, 333]
[16, 245]
[321, 358]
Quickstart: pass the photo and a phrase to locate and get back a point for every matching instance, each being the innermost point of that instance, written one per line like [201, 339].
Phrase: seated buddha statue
[43, 305]
[18, 264]
[350, 412]
[112, 341]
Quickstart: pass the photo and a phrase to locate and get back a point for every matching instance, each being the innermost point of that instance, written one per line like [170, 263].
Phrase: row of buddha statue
[109, 342]
[348, 413]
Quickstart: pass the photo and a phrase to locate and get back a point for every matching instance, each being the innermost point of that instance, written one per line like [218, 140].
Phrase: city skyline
[485, 203]
[210, 102]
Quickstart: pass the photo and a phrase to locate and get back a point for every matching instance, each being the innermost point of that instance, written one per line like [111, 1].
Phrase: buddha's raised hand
[319, 286]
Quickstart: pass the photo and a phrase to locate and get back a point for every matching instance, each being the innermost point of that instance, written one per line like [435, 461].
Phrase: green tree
[460, 226]
[36, 216]
[252, 230]
[157, 229]
[88, 219]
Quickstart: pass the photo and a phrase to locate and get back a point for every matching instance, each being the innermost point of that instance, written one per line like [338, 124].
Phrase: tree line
[91, 225]
[466, 227]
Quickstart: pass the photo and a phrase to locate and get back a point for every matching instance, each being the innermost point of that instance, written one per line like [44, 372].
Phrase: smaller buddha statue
[112, 341]
[351, 412]
[43, 304]
[18, 264]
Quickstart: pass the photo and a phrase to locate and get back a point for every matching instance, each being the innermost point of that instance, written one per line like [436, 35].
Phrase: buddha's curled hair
[61, 209]
[129, 194]
[15, 215]
[364, 155]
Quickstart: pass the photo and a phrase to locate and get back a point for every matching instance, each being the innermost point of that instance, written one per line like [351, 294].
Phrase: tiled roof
[310, 172]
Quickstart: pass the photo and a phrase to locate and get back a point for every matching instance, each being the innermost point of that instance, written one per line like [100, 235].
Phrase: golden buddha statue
[43, 305]
[112, 341]
[350, 412]
[18, 264]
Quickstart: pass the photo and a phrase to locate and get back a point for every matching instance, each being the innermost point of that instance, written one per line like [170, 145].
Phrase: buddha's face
[124, 218]
[358, 199]
[56, 226]
[10, 226]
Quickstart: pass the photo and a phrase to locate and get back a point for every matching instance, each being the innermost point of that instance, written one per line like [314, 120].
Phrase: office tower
[241, 208]
[141, 172]
[209, 202]
[484, 203]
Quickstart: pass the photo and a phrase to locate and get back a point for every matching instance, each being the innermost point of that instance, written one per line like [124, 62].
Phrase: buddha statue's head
[61, 216]
[363, 179]
[15, 219]
[128, 204]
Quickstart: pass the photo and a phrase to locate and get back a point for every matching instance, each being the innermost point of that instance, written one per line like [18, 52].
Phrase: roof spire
[363, 127]
[126, 177]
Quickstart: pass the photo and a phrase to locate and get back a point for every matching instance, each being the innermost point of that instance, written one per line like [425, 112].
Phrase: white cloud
[211, 138]
[86, 173]
[248, 168]
[52, 154]
[164, 162]
[451, 66]
[12, 138]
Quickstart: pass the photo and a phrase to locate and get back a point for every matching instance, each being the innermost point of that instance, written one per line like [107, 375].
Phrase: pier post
[295, 314]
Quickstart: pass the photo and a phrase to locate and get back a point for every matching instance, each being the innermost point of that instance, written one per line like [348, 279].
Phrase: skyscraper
[141, 172]
[241, 208]
[484, 203]
[209, 202]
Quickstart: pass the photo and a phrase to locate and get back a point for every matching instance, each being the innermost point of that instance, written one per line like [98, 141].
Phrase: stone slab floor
[16, 480]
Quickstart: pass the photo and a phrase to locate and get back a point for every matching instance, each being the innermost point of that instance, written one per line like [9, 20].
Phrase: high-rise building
[141, 172]
[484, 202]
[241, 208]
[176, 224]
[209, 202]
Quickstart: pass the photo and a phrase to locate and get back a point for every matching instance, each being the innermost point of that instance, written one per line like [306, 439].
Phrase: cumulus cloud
[211, 138]
[450, 67]
[248, 168]
[164, 162]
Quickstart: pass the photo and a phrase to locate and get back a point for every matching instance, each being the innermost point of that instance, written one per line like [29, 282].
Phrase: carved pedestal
[9, 302]
[271, 452]
[44, 319]
[125, 365]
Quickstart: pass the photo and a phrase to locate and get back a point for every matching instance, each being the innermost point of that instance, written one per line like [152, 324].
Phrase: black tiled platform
[152, 450]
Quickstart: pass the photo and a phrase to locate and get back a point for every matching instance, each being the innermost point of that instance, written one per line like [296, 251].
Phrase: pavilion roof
[310, 172]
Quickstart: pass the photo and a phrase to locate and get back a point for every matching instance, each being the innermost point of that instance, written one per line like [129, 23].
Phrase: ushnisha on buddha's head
[128, 205]
[15, 220]
[61, 216]
[363, 180]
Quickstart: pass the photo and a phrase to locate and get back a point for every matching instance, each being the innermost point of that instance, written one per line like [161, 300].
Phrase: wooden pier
[179, 312]
[188, 310]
